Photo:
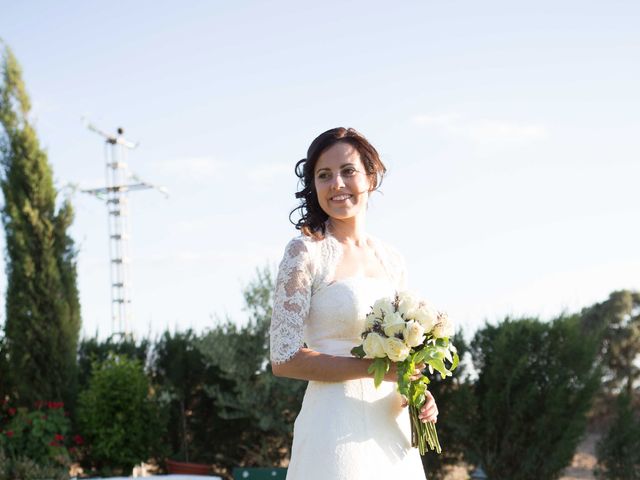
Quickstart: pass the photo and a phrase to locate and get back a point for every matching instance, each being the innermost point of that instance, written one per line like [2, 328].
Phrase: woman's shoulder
[302, 244]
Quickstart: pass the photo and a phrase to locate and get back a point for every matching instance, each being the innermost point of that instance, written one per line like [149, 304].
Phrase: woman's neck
[350, 231]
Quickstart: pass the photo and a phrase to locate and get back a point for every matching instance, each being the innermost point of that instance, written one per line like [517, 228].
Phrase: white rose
[393, 324]
[425, 315]
[373, 345]
[383, 307]
[444, 327]
[413, 333]
[407, 302]
[396, 349]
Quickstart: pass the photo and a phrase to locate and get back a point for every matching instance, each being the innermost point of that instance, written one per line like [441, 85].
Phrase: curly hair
[313, 219]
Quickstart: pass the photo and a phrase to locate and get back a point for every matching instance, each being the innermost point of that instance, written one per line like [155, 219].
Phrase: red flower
[53, 443]
[9, 433]
[11, 411]
[78, 439]
[58, 437]
[55, 405]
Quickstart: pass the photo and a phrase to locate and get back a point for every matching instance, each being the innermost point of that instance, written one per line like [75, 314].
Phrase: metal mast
[115, 195]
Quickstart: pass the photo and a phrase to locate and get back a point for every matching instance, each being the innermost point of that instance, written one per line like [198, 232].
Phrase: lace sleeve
[291, 301]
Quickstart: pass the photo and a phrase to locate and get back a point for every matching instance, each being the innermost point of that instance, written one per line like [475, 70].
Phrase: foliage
[258, 405]
[527, 409]
[619, 451]
[24, 468]
[5, 387]
[180, 373]
[617, 320]
[118, 417]
[93, 350]
[42, 306]
[34, 442]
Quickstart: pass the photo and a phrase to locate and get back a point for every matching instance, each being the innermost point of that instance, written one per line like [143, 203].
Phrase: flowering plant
[409, 332]
[39, 434]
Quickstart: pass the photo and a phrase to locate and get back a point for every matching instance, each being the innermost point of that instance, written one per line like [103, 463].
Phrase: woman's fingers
[429, 411]
[417, 372]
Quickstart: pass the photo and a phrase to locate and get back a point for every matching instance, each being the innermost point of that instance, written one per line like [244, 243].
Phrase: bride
[328, 279]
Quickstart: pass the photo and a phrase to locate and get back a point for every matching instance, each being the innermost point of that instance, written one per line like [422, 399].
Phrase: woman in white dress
[328, 279]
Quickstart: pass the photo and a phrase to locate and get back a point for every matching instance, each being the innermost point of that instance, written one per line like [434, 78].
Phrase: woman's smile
[341, 198]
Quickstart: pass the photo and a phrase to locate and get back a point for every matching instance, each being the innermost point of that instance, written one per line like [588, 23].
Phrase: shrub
[255, 409]
[619, 451]
[118, 417]
[34, 442]
[527, 410]
[92, 350]
[24, 468]
[180, 373]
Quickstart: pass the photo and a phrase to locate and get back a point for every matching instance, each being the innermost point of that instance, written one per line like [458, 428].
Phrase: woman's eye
[323, 176]
[349, 172]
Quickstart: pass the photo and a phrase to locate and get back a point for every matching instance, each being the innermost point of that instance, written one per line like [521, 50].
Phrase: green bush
[34, 442]
[38, 434]
[119, 418]
[180, 374]
[255, 409]
[24, 468]
[619, 451]
[527, 410]
[92, 350]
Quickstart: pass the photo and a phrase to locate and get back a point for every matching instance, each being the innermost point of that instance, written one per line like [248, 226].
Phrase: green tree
[619, 451]
[527, 410]
[260, 407]
[181, 374]
[42, 306]
[617, 320]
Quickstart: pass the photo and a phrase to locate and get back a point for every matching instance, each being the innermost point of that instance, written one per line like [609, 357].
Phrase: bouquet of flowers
[410, 332]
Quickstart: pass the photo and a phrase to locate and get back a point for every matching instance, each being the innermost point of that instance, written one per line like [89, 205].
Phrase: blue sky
[511, 134]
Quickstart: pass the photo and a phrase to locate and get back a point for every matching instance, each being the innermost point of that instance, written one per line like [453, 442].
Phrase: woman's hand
[429, 411]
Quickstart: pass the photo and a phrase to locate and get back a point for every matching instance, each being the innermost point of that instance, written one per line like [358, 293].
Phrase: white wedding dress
[345, 430]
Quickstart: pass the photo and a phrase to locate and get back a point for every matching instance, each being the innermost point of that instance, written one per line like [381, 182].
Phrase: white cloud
[481, 131]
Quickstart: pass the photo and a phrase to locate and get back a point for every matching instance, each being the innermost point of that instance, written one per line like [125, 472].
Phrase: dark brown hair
[312, 217]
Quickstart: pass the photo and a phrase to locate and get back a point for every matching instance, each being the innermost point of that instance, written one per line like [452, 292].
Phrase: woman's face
[341, 182]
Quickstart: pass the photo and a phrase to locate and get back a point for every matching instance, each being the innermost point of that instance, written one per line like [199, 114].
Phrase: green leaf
[456, 361]
[442, 342]
[379, 367]
[358, 351]
[420, 356]
[439, 366]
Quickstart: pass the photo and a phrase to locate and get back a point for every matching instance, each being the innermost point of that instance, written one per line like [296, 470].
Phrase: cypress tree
[42, 319]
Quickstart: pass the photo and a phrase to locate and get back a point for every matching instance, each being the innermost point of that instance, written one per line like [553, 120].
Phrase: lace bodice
[311, 307]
